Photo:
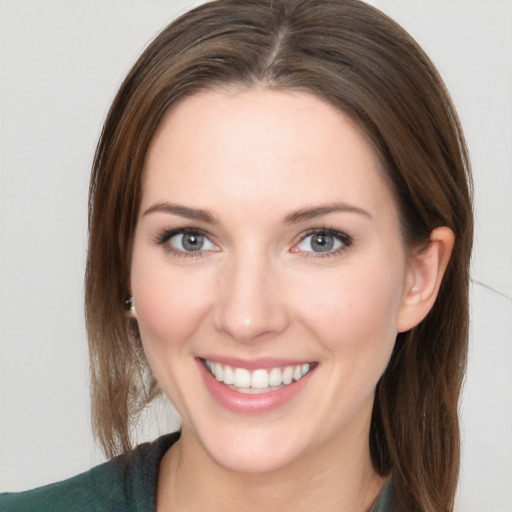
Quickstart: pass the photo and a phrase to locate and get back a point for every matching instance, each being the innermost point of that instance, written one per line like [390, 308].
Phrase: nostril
[256, 325]
[249, 305]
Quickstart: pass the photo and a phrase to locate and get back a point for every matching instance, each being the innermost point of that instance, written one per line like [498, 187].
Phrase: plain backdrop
[60, 65]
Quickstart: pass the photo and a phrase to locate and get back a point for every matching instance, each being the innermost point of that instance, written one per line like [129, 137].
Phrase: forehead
[259, 147]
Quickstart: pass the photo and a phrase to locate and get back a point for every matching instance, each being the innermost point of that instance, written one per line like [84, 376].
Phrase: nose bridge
[249, 305]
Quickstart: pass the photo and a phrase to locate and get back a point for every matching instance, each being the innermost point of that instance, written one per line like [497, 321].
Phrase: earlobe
[424, 277]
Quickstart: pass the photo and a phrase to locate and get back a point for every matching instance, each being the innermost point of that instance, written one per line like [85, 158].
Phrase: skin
[251, 158]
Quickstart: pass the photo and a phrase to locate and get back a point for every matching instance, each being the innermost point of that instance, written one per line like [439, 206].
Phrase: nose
[250, 305]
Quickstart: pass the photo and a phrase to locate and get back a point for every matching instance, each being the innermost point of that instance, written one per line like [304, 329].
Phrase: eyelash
[166, 235]
[345, 240]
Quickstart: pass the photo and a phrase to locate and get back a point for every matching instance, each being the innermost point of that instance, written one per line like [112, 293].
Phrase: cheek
[355, 313]
[170, 305]
[170, 308]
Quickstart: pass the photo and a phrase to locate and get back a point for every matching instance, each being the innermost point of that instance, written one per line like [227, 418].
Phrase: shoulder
[386, 501]
[125, 483]
[74, 494]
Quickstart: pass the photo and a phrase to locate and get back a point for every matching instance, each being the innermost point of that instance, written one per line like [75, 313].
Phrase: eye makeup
[194, 242]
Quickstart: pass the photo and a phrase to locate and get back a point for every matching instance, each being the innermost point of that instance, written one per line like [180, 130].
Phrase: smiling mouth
[260, 380]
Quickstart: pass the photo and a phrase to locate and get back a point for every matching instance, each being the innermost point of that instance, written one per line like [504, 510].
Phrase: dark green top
[125, 484]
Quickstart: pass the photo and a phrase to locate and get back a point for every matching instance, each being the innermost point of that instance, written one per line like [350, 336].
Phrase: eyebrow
[182, 211]
[319, 211]
[292, 218]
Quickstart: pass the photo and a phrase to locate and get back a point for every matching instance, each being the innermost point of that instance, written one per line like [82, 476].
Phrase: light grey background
[60, 65]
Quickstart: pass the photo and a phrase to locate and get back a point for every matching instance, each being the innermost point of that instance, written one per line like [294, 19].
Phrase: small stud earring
[130, 307]
[414, 289]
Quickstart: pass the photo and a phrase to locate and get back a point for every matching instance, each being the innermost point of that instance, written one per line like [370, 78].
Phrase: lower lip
[243, 403]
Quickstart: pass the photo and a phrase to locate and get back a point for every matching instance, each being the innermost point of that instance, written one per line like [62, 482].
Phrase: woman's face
[267, 252]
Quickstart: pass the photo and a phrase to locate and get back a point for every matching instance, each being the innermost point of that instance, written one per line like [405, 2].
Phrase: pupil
[192, 242]
[322, 243]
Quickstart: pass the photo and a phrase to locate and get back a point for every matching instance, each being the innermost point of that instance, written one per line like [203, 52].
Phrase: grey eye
[190, 242]
[320, 242]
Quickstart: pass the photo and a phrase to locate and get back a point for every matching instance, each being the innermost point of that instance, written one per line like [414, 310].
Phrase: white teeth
[242, 378]
[249, 391]
[288, 375]
[229, 375]
[218, 371]
[257, 380]
[275, 377]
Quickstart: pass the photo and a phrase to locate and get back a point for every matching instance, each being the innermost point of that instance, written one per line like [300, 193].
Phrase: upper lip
[254, 364]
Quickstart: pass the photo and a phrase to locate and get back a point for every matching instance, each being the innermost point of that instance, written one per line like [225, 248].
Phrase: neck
[341, 478]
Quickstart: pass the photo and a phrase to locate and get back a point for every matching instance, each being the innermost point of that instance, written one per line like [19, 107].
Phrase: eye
[323, 241]
[186, 241]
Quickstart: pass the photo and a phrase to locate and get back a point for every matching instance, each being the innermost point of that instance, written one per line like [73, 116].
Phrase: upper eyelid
[169, 233]
[163, 237]
[345, 237]
[165, 234]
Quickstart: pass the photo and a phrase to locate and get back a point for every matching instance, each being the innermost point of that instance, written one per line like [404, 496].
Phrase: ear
[130, 303]
[423, 280]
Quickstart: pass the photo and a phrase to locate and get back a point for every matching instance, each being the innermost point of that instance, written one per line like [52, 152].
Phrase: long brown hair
[355, 58]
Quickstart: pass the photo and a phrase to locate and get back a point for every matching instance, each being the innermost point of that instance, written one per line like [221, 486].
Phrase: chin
[243, 448]
[245, 457]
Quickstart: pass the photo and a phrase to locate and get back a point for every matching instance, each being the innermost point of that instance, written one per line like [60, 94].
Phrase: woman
[281, 198]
